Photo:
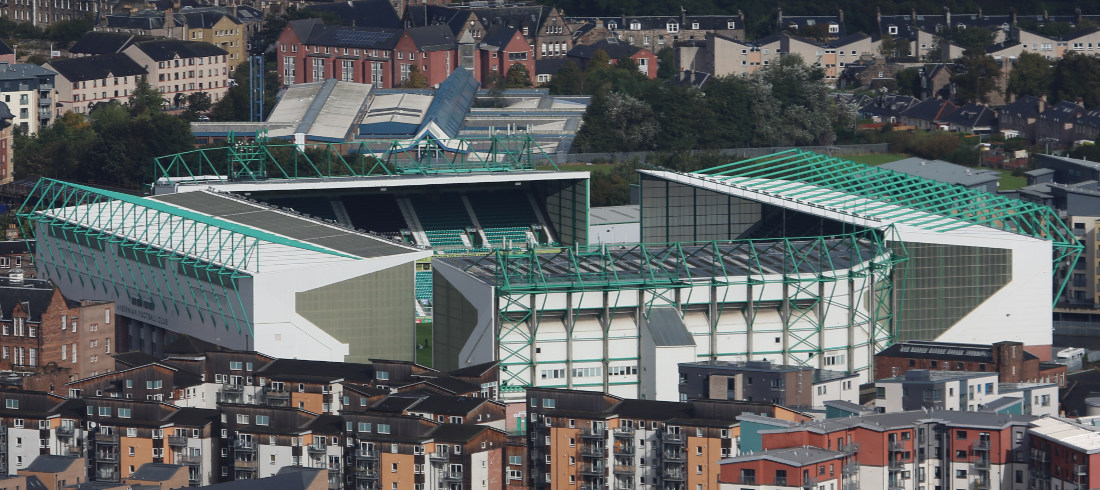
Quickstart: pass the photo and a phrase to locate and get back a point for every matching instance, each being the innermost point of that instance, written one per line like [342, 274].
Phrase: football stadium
[301, 251]
[794, 257]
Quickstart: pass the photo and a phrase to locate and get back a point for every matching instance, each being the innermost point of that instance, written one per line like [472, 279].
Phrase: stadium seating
[423, 285]
[377, 213]
[504, 216]
[444, 219]
[318, 207]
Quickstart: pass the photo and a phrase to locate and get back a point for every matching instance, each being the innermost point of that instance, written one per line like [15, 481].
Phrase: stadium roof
[323, 111]
[673, 265]
[224, 234]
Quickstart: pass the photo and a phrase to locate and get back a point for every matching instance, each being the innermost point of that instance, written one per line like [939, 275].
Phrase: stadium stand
[444, 219]
[377, 213]
[504, 216]
[423, 285]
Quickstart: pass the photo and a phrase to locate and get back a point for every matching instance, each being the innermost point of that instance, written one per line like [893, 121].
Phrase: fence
[733, 153]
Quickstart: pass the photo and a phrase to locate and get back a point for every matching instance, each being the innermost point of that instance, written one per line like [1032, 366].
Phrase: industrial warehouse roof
[794, 456]
[1081, 437]
[598, 268]
[942, 171]
[323, 111]
[219, 230]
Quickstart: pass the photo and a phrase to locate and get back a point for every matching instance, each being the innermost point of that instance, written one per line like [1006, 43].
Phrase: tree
[1031, 75]
[145, 98]
[567, 81]
[416, 79]
[887, 47]
[976, 75]
[666, 64]
[618, 122]
[198, 103]
[1077, 76]
[909, 81]
[518, 76]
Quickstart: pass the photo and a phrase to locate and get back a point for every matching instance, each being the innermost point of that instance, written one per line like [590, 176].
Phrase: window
[236, 365]
[242, 418]
[125, 413]
[11, 404]
[383, 428]
[672, 27]
[263, 419]
[104, 411]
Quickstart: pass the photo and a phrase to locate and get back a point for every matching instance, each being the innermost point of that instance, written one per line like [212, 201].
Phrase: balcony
[850, 468]
[366, 475]
[626, 432]
[673, 437]
[896, 465]
[106, 439]
[979, 484]
[623, 469]
[980, 463]
[106, 456]
[672, 474]
[245, 465]
[277, 394]
[65, 431]
[244, 446]
[1040, 456]
[232, 388]
[437, 456]
[981, 445]
[850, 485]
[366, 454]
[590, 433]
[73, 450]
[674, 456]
[750, 480]
[624, 484]
[598, 469]
[780, 481]
[625, 449]
[850, 448]
[189, 459]
[895, 484]
[593, 451]
[106, 475]
[452, 476]
[896, 446]
[317, 448]
[1080, 470]
[177, 440]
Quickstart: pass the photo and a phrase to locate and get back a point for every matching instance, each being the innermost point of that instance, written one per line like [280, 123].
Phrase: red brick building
[615, 49]
[432, 50]
[499, 50]
[1009, 359]
[806, 467]
[308, 50]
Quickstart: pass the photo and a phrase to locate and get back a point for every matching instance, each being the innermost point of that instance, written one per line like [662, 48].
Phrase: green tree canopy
[518, 76]
[1032, 75]
[1077, 76]
[975, 76]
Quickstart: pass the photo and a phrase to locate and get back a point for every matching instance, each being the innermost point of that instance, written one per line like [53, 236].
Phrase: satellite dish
[91, 425]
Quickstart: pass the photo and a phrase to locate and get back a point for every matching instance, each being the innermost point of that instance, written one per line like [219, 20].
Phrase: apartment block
[945, 390]
[1008, 359]
[593, 439]
[790, 386]
[180, 68]
[89, 80]
[27, 90]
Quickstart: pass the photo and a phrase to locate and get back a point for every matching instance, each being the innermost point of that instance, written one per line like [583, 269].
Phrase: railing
[674, 455]
[979, 484]
[850, 468]
[672, 474]
[248, 446]
[249, 465]
[780, 481]
[232, 388]
[106, 439]
[981, 445]
[437, 456]
[1080, 470]
[673, 437]
[177, 440]
[317, 448]
[896, 464]
[189, 459]
[366, 474]
[624, 432]
[106, 475]
[850, 448]
[593, 469]
[587, 450]
[277, 394]
[106, 456]
[1040, 456]
[748, 480]
[625, 449]
[363, 453]
[981, 463]
[622, 469]
[895, 484]
[896, 446]
[455, 476]
[65, 431]
[850, 485]
[590, 433]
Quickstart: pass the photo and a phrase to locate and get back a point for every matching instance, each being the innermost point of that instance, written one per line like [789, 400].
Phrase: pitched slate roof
[474, 370]
[1090, 119]
[1063, 111]
[432, 38]
[1026, 106]
[169, 49]
[156, 472]
[613, 47]
[5, 113]
[517, 16]
[317, 33]
[204, 19]
[145, 19]
[972, 115]
[97, 67]
[35, 294]
[499, 37]
[302, 369]
[930, 110]
[49, 463]
[949, 351]
[98, 42]
[457, 432]
[421, 15]
[362, 13]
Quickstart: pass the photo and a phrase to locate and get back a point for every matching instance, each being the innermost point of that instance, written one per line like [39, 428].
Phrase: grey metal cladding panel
[206, 203]
[668, 328]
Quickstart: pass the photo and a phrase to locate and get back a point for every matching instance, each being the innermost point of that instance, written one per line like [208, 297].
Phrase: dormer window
[635, 26]
[893, 30]
[961, 26]
[673, 27]
[612, 26]
[939, 27]
[694, 26]
[834, 28]
[731, 25]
